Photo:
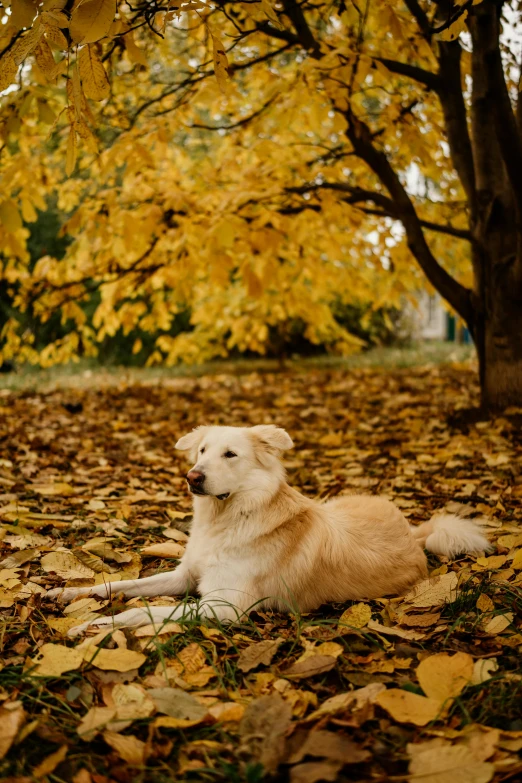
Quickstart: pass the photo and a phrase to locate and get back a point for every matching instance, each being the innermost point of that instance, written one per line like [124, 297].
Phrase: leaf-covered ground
[424, 687]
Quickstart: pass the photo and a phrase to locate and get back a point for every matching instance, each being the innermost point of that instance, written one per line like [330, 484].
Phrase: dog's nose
[195, 477]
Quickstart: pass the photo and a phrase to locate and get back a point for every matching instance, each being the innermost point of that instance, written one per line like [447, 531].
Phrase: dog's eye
[229, 454]
[202, 449]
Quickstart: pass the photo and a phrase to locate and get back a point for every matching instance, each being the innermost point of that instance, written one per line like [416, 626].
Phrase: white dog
[255, 541]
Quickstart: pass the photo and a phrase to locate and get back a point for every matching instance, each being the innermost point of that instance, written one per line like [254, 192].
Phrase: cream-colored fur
[264, 544]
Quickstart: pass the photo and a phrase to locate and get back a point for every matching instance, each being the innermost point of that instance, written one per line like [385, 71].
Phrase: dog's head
[229, 460]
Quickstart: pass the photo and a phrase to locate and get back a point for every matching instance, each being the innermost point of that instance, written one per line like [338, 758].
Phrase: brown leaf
[50, 763]
[177, 704]
[53, 660]
[329, 745]
[313, 771]
[12, 717]
[315, 664]
[445, 764]
[129, 748]
[263, 728]
[257, 654]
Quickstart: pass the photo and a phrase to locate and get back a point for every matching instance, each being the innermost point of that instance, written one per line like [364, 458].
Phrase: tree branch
[428, 78]
[458, 296]
[450, 95]
[295, 13]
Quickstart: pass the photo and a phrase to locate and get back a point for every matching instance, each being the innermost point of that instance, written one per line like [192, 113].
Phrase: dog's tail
[450, 535]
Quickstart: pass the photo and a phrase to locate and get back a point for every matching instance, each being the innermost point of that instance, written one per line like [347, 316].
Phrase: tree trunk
[497, 327]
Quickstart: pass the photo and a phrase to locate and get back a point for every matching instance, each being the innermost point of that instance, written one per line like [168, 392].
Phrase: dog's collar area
[224, 496]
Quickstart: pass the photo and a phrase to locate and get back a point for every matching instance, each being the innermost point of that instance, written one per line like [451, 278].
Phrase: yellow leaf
[228, 711]
[92, 73]
[91, 20]
[66, 565]
[444, 676]
[55, 659]
[45, 113]
[27, 43]
[434, 592]
[8, 71]
[168, 549]
[129, 748]
[114, 660]
[454, 30]
[176, 723]
[484, 603]
[45, 60]
[220, 65]
[22, 13]
[60, 488]
[435, 763]
[28, 211]
[10, 216]
[516, 563]
[50, 763]
[407, 707]
[499, 623]
[94, 720]
[135, 54]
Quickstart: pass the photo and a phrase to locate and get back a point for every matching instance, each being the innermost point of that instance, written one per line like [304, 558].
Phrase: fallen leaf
[445, 764]
[132, 702]
[329, 745]
[129, 748]
[420, 620]
[227, 712]
[484, 603]
[94, 721]
[257, 654]
[498, 623]
[341, 701]
[53, 660]
[311, 666]
[12, 718]
[313, 771]
[483, 670]
[395, 631]
[516, 563]
[167, 549]
[175, 534]
[177, 704]
[356, 616]
[153, 630]
[114, 660]
[50, 763]
[60, 488]
[263, 728]
[407, 707]
[66, 565]
[442, 677]
[434, 591]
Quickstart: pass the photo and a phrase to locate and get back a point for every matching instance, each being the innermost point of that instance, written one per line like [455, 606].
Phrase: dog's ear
[275, 438]
[191, 441]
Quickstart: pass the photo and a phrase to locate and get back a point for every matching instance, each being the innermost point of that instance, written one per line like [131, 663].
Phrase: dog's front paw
[67, 594]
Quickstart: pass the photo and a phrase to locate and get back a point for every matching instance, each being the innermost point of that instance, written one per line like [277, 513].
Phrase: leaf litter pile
[424, 687]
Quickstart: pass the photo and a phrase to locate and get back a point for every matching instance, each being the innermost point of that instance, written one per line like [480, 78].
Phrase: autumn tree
[337, 143]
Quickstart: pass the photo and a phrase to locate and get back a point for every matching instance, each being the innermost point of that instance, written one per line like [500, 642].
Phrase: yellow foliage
[184, 194]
